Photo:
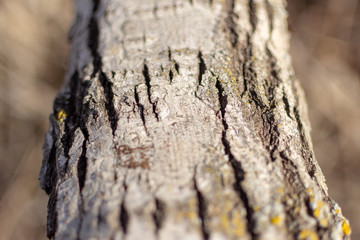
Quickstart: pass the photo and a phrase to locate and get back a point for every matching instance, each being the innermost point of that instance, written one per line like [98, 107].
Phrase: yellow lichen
[318, 208]
[257, 208]
[192, 215]
[308, 235]
[188, 211]
[346, 227]
[61, 115]
[225, 223]
[324, 222]
[317, 212]
[238, 224]
[277, 220]
[233, 223]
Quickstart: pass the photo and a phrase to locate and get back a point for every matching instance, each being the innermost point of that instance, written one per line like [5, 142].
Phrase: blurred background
[33, 59]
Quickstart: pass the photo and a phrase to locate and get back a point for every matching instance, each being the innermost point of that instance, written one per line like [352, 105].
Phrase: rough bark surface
[183, 120]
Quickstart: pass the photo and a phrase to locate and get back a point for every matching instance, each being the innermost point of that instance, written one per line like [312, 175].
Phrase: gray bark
[183, 120]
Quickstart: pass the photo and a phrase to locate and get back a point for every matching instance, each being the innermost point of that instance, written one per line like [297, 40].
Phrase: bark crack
[82, 163]
[51, 173]
[171, 75]
[72, 116]
[252, 14]
[140, 106]
[169, 54]
[306, 152]
[286, 103]
[109, 103]
[271, 133]
[247, 67]
[81, 174]
[294, 182]
[124, 215]
[82, 118]
[202, 68]
[159, 215]
[202, 210]
[177, 67]
[236, 165]
[93, 44]
[50, 189]
[230, 22]
[52, 215]
[148, 86]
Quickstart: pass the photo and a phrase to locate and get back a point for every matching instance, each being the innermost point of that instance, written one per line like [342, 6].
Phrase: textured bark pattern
[183, 120]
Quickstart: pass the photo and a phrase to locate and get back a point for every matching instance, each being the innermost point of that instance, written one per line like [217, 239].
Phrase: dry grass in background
[325, 48]
[33, 53]
[33, 56]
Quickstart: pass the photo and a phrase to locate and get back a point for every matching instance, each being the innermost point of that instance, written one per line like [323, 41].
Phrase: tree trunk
[183, 120]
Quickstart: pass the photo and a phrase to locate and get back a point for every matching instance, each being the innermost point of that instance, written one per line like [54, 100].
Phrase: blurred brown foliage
[325, 49]
[33, 56]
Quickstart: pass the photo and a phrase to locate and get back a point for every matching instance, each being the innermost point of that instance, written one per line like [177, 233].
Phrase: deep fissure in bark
[70, 107]
[50, 189]
[177, 67]
[52, 215]
[319, 228]
[202, 68]
[124, 217]
[109, 103]
[82, 163]
[123, 214]
[306, 151]
[140, 106]
[148, 86]
[236, 165]
[202, 210]
[294, 180]
[159, 214]
[269, 115]
[93, 43]
[51, 173]
[252, 14]
[231, 25]
[169, 54]
[270, 134]
[83, 160]
[287, 105]
[81, 116]
[247, 66]
[171, 76]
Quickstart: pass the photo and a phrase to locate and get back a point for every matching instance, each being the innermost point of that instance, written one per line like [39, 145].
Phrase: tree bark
[183, 120]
